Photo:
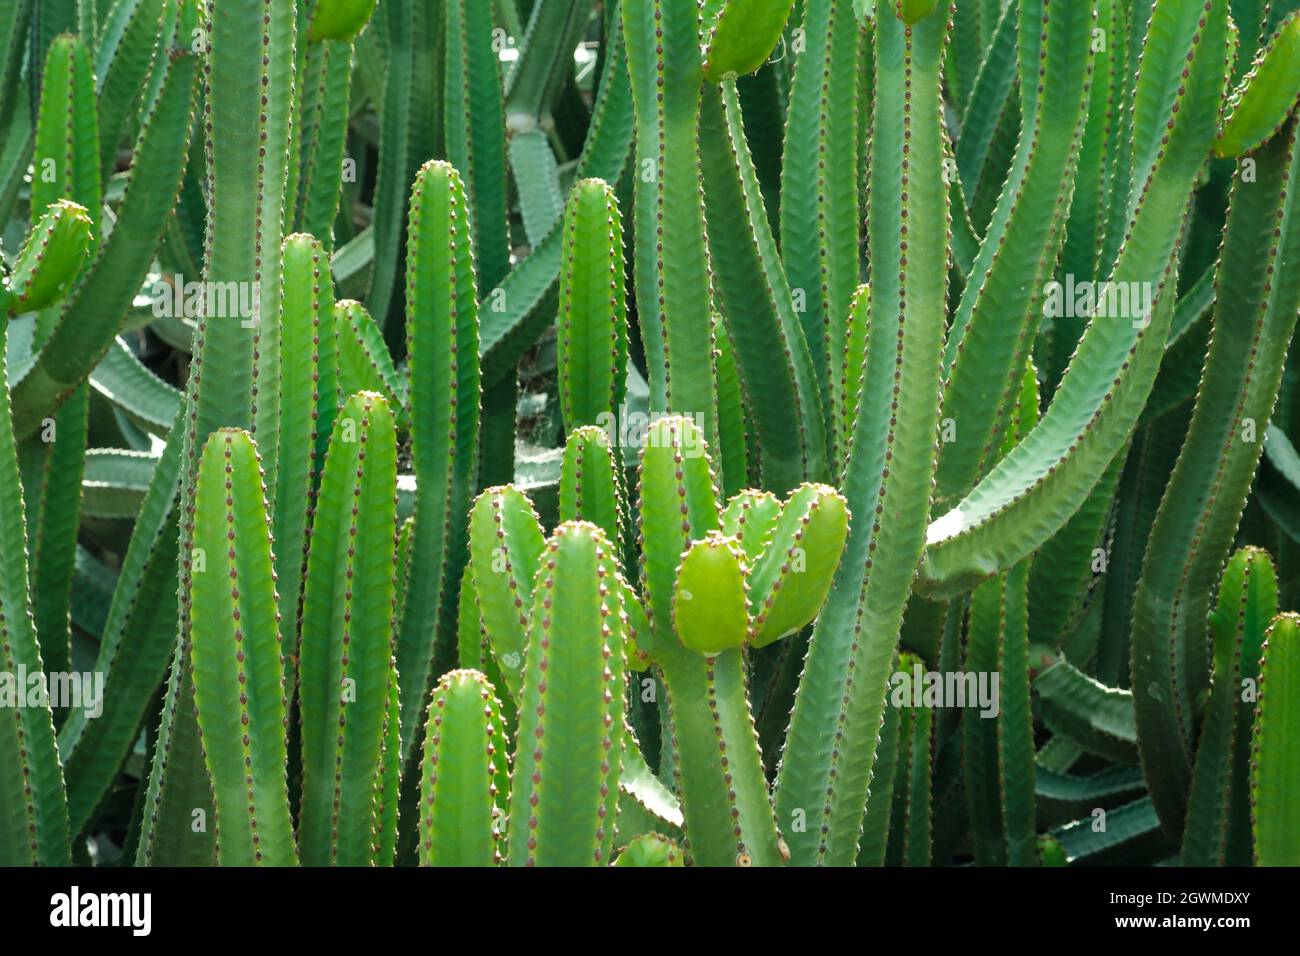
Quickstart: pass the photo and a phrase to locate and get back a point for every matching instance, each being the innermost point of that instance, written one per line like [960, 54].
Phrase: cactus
[444, 403]
[237, 669]
[1272, 802]
[740, 386]
[1217, 810]
[1238, 390]
[345, 648]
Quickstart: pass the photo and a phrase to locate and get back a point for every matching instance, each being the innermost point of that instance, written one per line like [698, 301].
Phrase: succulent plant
[824, 433]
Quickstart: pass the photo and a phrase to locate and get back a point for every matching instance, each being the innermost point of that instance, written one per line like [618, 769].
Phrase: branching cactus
[826, 433]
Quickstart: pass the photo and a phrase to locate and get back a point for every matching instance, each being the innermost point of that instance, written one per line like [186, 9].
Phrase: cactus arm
[94, 312]
[1085, 230]
[751, 516]
[248, 96]
[672, 262]
[537, 181]
[1034, 490]
[1094, 717]
[1015, 724]
[521, 307]
[364, 362]
[34, 819]
[327, 79]
[643, 799]
[67, 134]
[177, 829]
[1275, 760]
[506, 543]
[848, 369]
[772, 355]
[567, 757]
[139, 632]
[1247, 604]
[237, 666]
[890, 461]
[742, 36]
[911, 825]
[463, 779]
[1063, 571]
[347, 613]
[442, 333]
[122, 59]
[49, 258]
[124, 381]
[411, 126]
[554, 29]
[54, 508]
[989, 100]
[820, 218]
[591, 482]
[986, 350]
[14, 21]
[1266, 96]
[717, 766]
[792, 576]
[650, 849]
[591, 327]
[304, 382]
[475, 131]
[716, 763]
[678, 504]
[709, 612]
[985, 629]
[1258, 298]
[65, 165]
[733, 423]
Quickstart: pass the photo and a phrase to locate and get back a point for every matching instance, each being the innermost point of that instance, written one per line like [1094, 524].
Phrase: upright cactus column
[568, 750]
[1258, 299]
[442, 334]
[237, 667]
[821, 787]
[33, 803]
[248, 80]
[347, 635]
[673, 287]
[1275, 809]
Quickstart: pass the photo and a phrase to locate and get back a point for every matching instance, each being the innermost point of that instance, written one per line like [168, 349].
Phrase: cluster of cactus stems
[880, 348]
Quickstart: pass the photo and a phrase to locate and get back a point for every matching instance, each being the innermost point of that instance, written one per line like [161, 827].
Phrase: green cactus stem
[237, 665]
[347, 630]
[464, 779]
